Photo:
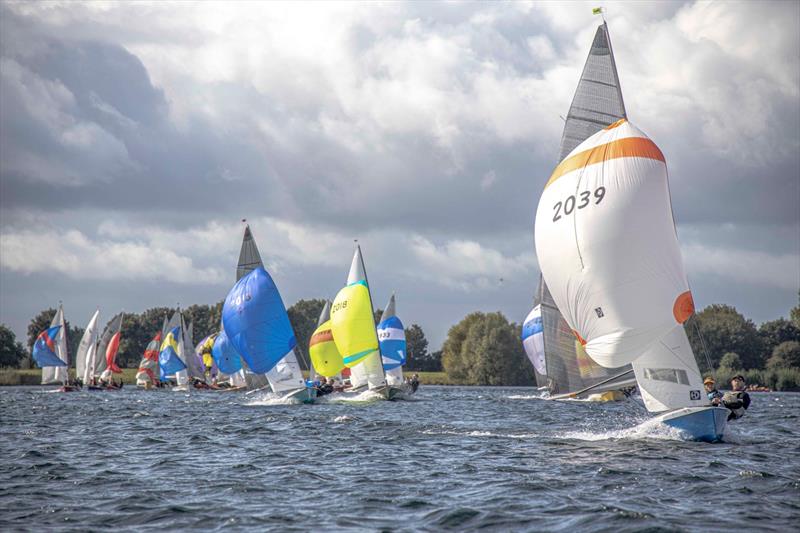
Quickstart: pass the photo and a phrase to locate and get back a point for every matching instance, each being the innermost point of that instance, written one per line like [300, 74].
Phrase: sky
[135, 137]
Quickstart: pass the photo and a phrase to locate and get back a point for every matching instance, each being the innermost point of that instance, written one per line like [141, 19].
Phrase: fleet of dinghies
[607, 318]
[255, 348]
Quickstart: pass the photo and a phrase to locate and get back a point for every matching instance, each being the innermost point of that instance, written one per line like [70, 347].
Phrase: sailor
[737, 400]
[414, 381]
[711, 390]
[324, 387]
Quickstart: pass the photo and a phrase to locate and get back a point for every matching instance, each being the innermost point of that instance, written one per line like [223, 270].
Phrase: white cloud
[762, 269]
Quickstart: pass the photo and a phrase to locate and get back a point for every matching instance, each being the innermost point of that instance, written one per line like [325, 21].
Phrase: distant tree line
[139, 329]
[483, 348]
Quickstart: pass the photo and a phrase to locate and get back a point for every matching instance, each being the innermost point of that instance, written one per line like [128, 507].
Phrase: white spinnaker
[286, 374]
[85, 349]
[668, 376]
[606, 244]
[237, 379]
[58, 374]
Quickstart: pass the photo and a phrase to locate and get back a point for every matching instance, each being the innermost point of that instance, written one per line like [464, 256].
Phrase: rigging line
[678, 357]
[702, 342]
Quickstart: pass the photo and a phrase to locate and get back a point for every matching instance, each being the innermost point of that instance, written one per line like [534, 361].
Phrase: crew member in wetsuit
[414, 382]
[711, 390]
[737, 400]
[324, 387]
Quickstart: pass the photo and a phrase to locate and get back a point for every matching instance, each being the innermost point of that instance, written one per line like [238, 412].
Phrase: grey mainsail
[596, 104]
[598, 98]
[249, 258]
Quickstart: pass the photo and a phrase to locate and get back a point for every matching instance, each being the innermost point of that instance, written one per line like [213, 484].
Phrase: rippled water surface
[452, 458]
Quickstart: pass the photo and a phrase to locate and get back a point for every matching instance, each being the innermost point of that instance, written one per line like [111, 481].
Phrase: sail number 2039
[583, 199]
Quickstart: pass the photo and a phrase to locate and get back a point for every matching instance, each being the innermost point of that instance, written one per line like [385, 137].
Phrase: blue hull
[706, 424]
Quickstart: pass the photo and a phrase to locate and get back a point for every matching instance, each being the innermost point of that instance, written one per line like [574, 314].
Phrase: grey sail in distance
[249, 258]
[598, 98]
[596, 104]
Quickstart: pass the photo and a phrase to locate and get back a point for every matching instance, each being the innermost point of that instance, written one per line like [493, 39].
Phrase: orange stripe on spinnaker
[628, 147]
[620, 122]
[323, 336]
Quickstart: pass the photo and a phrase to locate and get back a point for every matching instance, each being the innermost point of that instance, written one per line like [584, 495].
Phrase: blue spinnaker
[43, 349]
[168, 361]
[392, 338]
[225, 355]
[256, 322]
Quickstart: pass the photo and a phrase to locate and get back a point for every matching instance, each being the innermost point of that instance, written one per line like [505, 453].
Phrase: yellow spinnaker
[324, 356]
[353, 325]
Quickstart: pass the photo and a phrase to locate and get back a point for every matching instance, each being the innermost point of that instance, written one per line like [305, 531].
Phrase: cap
[738, 376]
[708, 380]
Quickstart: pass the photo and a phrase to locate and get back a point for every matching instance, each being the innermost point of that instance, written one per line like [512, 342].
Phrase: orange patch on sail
[628, 147]
[580, 339]
[683, 307]
[323, 336]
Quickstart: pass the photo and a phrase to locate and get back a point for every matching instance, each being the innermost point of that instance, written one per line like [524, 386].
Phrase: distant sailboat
[608, 250]
[108, 347]
[87, 351]
[353, 327]
[392, 339]
[147, 375]
[58, 373]
[597, 102]
[44, 349]
[325, 357]
[171, 362]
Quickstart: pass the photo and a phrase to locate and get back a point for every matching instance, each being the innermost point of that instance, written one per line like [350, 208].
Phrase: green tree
[785, 355]
[778, 331]
[794, 314]
[304, 316]
[731, 361]
[433, 362]
[377, 315]
[416, 348]
[12, 353]
[485, 349]
[723, 329]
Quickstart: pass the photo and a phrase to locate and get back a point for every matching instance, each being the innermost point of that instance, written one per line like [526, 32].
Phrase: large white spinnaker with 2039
[608, 250]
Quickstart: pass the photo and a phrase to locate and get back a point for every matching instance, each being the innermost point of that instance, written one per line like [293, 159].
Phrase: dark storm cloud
[433, 126]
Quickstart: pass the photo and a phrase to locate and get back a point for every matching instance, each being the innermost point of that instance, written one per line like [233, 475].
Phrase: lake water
[452, 458]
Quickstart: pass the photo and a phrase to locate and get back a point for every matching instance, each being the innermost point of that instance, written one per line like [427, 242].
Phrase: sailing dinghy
[256, 324]
[87, 351]
[45, 352]
[325, 357]
[392, 341]
[52, 371]
[353, 328]
[147, 375]
[608, 251]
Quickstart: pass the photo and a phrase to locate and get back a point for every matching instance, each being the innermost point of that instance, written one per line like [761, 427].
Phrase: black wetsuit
[322, 390]
[737, 402]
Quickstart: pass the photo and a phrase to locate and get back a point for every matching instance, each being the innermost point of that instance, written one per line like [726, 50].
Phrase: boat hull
[305, 395]
[706, 424]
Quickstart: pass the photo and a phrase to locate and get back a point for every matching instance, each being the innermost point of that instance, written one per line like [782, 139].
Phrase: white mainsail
[58, 374]
[84, 359]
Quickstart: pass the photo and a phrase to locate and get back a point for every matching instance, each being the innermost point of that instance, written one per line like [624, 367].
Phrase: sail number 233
[583, 199]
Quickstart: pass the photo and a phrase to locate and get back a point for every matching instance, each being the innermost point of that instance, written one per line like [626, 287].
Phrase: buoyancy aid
[734, 400]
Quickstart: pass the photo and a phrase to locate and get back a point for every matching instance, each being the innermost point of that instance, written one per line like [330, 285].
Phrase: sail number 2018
[583, 199]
